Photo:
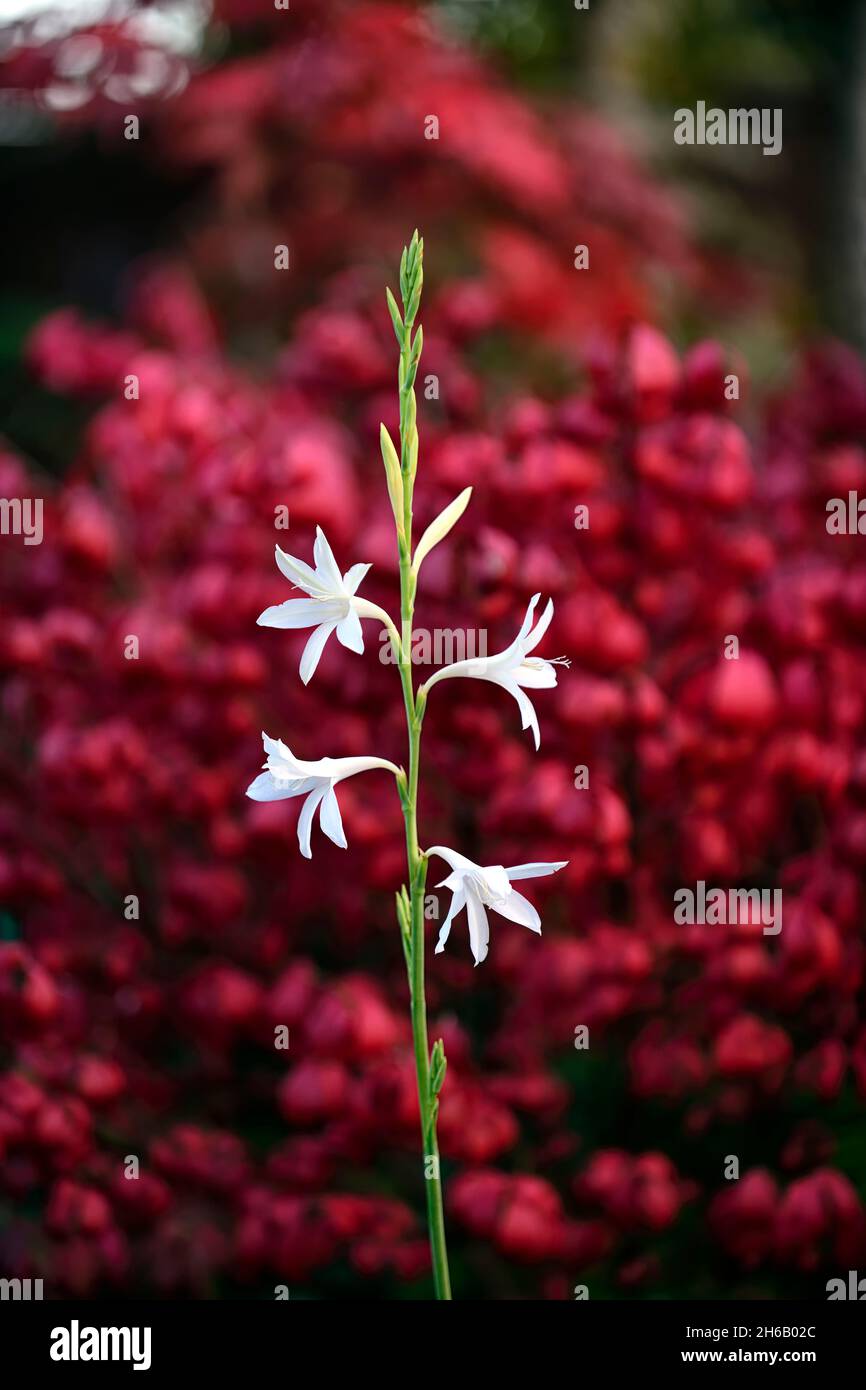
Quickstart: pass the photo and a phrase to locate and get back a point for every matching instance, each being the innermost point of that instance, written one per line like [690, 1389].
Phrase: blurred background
[156, 926]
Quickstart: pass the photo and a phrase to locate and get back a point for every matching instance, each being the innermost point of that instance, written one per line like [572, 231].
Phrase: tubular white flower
[331, 604]
[513, 668]
[286, 776]
[477, 888]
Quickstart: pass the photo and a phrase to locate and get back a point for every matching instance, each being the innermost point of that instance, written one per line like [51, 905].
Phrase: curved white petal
[330, 819]
[305, 819]
[453, 881]
[265, 788]
[495, 879]
[327, 569]
[519, 909]
[515, 651]
[282, 762]
[457, 902]
[275, 748]
[354, 577]
[528, 717]
[299, 573]
[349, 632]
[459, 863]
[534, 870]
[540, 628]
[479, 928]
[301, 612]
[535, 674]
[313, 650]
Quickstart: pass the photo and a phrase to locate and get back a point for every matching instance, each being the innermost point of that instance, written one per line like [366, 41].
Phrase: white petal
[458, 862]
[297, 786]
[305, 820]
[327, 569]
[330, 819]
[540, 628]
[299, 573]
[349, 632]
[479, 929]
[457, 903]
[354, 577]
[275, 748]
[519, 909]
[301, 612]
[264, 788]
[453, 881]
[527, 620]
[534, 870]
[281, 759]
[516, 650]
[282, 762]
[496, 878]
[528, 717]
[313, 650]
[535, 675]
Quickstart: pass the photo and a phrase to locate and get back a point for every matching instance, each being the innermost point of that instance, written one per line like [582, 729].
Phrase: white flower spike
[331, 604]
[477, 888]
[288, 776]
[513, 668]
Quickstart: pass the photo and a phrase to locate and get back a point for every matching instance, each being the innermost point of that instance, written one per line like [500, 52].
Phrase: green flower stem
[411, 911]
[428, 1103]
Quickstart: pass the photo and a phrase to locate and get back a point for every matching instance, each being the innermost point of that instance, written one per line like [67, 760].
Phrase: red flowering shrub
[160, 930]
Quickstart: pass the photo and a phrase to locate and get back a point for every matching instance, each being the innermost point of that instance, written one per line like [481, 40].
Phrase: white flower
[476, 888]
[288, 776]
[330, 606]
[513, 669]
